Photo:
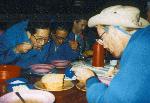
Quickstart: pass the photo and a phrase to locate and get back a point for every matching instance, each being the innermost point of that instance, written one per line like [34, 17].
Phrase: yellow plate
[81, 86]
[67, 85]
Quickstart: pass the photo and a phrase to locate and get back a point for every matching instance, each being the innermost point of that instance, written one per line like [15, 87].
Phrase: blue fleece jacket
[77, 37]
[62, 52]
[131, 84]
[16, 35]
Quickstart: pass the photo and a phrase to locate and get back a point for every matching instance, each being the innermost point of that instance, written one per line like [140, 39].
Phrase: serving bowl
[8, 72]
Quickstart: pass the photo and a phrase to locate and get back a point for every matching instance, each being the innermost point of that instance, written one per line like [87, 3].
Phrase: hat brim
[97, 20]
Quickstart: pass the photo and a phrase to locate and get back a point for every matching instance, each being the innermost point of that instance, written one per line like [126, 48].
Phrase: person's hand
[88, 53]
[83, 74]
[73, 44]
[23, 48]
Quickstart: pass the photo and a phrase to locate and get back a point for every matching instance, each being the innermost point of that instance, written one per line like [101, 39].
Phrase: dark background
[12, 11]
[60, 6]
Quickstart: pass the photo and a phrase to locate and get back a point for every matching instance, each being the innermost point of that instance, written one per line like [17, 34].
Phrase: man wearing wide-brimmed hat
[122, 32]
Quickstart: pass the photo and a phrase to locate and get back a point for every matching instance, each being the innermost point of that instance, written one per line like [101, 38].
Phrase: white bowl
[29, 95]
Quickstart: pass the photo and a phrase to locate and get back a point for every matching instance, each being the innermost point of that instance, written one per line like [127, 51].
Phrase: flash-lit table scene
[68, 86]
[74, 51]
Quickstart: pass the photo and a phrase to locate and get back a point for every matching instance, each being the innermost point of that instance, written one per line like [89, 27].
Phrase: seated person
[60, 48]
[123, 37]
[25, 43]
[76, 33]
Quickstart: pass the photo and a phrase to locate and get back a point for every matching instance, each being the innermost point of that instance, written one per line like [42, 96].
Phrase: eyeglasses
[101, 36]
[60, 38]
[39, 39]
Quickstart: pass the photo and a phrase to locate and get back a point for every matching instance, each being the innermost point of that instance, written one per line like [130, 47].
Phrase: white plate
[37, 95]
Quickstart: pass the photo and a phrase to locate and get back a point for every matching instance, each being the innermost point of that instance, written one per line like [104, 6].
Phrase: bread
[53, 81]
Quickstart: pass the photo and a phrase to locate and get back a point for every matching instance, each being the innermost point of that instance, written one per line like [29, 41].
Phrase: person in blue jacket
[25, 43]
[115, 25]
[76, 34]
[60, 48]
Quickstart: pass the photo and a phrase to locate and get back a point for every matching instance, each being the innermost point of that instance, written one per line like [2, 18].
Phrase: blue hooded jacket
[16, 35]
[131, 84]
[62, 52]
[77, 37]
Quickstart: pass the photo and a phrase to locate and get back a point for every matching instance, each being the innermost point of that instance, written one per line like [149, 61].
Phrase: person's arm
[95, 90]
[71, 54]
[8, 42]
[8, 56]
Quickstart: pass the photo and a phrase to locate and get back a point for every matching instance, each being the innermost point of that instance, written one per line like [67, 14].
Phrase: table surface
[72, 95]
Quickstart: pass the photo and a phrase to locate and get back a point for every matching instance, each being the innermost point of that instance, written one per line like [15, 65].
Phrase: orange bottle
[98, 55]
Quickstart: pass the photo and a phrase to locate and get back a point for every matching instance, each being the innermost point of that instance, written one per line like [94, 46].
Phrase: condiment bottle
[98, 55]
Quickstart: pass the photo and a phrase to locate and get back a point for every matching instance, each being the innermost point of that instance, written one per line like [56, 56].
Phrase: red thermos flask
[98, 55]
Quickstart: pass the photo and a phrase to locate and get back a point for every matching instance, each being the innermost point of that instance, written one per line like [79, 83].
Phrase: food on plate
[53, 81]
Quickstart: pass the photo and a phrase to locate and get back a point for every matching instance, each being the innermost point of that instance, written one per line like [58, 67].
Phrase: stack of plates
[60, 63]
[41, 69]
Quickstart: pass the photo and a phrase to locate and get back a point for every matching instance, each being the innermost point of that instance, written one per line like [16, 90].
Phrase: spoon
[63, 82]
[18, 94]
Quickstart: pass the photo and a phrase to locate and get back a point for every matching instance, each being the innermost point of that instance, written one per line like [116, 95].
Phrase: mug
[69, 73]
[113, 62]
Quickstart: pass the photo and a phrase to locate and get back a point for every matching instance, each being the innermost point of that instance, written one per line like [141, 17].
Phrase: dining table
[72, 95]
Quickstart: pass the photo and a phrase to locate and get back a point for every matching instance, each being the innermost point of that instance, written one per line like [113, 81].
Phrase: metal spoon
[18, 94]
[63, 82]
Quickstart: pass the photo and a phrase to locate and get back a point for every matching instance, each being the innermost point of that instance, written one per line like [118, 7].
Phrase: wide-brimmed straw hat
[126, 16]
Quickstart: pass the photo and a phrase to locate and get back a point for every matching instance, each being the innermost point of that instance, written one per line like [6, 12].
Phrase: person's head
[60, 34]
[79, 25]
[115, 25]
[38, 32]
